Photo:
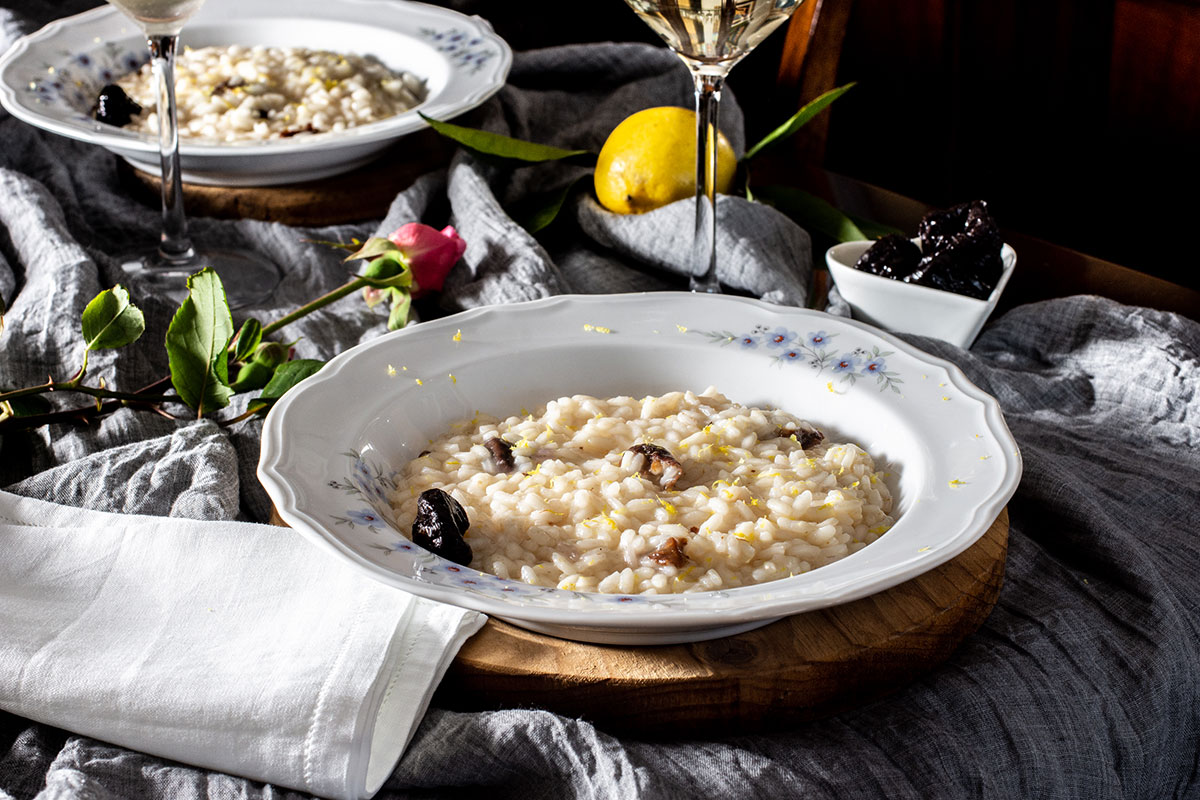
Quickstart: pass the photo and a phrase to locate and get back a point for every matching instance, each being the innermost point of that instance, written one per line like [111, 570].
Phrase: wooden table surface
[1046, 270]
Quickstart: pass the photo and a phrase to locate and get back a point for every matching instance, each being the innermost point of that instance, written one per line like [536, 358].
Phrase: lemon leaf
[500, 146]
[537, 211]
[872, 229]
[811, 212]
[798, 120]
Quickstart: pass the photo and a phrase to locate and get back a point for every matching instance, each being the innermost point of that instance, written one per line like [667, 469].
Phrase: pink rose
[430, 253]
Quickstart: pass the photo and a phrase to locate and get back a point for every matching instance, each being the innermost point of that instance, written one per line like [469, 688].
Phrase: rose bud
[429, 253]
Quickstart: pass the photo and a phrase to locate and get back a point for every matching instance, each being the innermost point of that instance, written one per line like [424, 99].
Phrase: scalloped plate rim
[667, 617]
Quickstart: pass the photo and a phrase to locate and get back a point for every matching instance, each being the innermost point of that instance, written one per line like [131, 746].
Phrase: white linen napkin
[227, 645]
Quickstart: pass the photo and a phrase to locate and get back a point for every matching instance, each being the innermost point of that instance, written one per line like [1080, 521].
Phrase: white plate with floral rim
[51, 78]
[331, 447]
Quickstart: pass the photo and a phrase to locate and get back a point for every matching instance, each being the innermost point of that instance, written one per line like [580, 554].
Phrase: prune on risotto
[439, 526]
[657, 460]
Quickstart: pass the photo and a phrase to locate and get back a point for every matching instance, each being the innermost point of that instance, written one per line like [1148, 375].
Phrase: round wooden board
[802, 667]
[363, 194]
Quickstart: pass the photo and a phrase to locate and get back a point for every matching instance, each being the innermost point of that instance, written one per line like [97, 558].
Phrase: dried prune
[114, 107]
[936, 227]
[660, 462]
[961, 247]
[891, 256]
[440, 525]
[671, 553]
[806, 437]
[966, 269]
[502, 452]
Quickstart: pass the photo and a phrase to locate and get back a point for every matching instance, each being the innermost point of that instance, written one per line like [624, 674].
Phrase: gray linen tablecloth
[1083, 683]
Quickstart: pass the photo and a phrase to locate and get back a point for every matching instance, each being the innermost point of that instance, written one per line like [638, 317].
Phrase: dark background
[1078, 120]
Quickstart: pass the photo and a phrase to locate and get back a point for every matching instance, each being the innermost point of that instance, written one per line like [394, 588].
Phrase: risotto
[679, 493]
[235, 93]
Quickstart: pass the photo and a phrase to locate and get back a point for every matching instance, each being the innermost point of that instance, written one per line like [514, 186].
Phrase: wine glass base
[248, 281]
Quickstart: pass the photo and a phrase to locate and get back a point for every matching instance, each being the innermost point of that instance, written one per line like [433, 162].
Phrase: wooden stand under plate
[800, 668]
[363, 194]
[803, 667]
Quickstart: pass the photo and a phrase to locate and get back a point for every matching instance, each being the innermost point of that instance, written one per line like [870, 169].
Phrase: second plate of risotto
[642, 468]
[268, 92]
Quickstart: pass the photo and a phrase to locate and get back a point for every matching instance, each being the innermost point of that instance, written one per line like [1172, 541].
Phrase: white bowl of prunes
[944, 283]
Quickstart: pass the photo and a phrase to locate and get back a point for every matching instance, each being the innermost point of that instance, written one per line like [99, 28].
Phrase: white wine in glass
[165, 269]
[710, 36]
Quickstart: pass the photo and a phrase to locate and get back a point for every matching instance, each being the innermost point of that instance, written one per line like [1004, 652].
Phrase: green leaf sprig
[502, 148]
[110, 320]
[797, 121]
[538, 211]
[197, 344]
[209, 362]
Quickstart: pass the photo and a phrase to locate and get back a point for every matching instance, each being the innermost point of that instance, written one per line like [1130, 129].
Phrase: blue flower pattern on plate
[780, 338]
[463, 49]
[76, 80]
[373, 484]
[813, 348]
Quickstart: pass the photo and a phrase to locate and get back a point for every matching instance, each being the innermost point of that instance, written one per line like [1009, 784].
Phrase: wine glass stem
[174, 245]
[704, 243]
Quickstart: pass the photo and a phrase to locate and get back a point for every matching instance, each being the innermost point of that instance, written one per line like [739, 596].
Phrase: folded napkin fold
[227, 645]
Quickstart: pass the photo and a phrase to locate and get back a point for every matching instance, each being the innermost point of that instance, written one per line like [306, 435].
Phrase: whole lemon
[649, 160]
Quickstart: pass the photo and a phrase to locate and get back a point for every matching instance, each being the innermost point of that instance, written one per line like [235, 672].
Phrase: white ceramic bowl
[331, 447]
[908, 307]
[51, 78]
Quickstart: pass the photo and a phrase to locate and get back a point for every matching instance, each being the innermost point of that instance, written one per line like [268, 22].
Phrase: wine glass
[710, 36]
[165, 268]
